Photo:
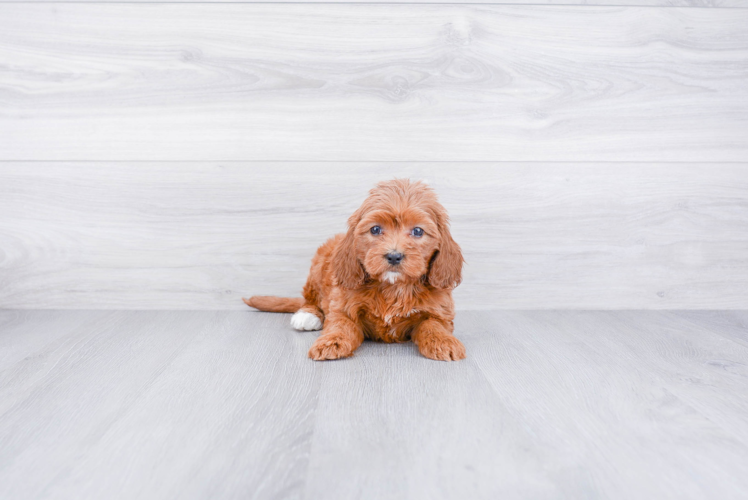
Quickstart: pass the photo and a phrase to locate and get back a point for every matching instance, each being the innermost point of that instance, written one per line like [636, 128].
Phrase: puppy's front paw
[442, 348]
[331, 346]
[303, 320]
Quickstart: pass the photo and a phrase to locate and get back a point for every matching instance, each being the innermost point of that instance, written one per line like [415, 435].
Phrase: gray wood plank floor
[549, 404]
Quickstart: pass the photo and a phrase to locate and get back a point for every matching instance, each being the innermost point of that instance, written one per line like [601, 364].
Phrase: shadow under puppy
[389, 278]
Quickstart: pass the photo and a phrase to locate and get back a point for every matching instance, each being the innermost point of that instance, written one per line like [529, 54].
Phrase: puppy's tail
[274, 304]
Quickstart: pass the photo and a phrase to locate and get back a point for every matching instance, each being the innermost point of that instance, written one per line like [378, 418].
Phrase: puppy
[389, 278]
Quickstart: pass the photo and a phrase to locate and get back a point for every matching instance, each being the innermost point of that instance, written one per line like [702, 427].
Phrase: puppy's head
[399, 234]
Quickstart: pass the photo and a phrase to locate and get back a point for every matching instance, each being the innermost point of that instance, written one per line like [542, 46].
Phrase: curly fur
[356, 293]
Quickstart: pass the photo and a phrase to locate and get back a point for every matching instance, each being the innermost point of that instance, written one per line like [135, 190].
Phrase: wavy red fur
[359, 294]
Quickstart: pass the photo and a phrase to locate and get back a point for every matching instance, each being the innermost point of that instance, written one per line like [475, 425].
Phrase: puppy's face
[396, 246]
[400, 234]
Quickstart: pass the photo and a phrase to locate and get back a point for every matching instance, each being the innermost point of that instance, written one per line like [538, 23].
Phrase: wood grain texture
[610, 3]
[159, 405]
[548, 404]
[633, 383]
[729, 324]
[536, 236]
[372, 82]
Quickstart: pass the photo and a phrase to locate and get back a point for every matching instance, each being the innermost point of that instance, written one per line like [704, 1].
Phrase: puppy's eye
[376, 230]
[417, 232]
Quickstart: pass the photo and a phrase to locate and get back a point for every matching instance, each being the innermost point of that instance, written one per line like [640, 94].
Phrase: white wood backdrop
[613, 3]
[183, 155]
[303, 82]
[200, 235]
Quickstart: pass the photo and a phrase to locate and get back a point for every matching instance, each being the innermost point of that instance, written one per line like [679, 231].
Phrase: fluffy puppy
[389, 278]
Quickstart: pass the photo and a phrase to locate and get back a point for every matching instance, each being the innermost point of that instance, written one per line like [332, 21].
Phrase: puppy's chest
[391, 324]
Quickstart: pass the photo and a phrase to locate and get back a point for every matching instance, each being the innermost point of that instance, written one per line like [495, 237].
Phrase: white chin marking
[391, 276]
[303, 320]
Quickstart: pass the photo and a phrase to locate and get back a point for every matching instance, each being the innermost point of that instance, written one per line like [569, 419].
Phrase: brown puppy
[389, 278]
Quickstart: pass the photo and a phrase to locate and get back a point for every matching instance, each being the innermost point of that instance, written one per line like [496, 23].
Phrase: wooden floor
[549, 404]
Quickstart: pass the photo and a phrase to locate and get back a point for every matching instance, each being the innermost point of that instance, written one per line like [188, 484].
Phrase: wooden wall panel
[182, 155]
[611, 3]
[199, 235]
[296, 82]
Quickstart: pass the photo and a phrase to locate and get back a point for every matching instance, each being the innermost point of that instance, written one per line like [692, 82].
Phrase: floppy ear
[446, 264]
[347, 270]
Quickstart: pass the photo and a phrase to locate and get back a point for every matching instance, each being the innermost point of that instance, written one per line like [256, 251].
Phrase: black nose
[394, 258]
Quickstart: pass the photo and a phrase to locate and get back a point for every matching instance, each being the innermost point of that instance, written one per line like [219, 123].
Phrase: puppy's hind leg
[310, 317]
[306, 318]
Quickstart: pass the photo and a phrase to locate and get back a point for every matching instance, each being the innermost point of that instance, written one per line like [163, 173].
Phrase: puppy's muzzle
[394, 258]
